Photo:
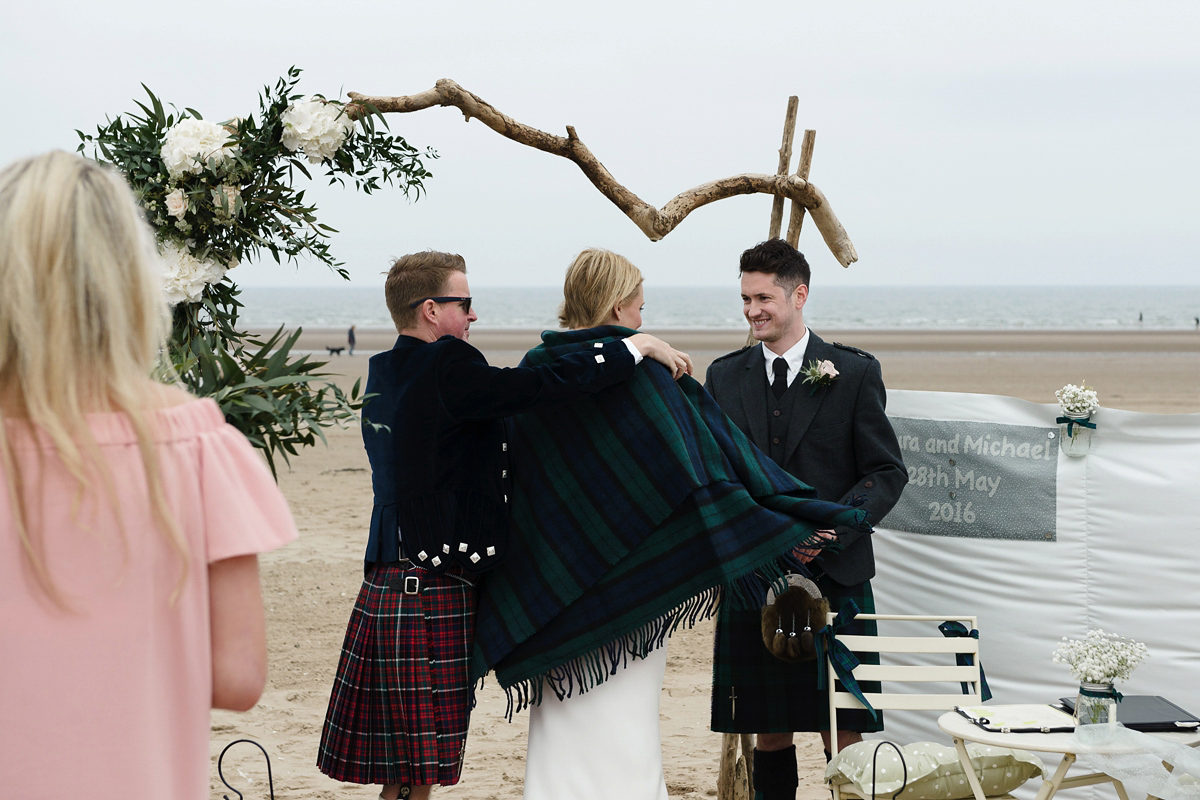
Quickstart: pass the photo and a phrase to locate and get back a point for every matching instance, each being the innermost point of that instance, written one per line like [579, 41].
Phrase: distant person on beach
[818, 410]
[401, 701]
[350, 339]
[633, 510]
[131, 514]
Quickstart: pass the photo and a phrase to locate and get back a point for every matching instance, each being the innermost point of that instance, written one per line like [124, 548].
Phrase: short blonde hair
[83, 321]
[596, 281]
[414, 276]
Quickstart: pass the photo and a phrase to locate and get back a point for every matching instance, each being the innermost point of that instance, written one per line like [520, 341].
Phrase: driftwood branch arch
[655, 223]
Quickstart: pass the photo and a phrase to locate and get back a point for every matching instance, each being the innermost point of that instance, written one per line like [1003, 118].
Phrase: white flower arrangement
[221, 193]
[316, 127]
[192, 145]
[1100, 657]
[184, 275]
[1077, 401]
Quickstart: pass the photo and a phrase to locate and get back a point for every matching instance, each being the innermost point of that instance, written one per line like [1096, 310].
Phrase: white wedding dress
[602, 744]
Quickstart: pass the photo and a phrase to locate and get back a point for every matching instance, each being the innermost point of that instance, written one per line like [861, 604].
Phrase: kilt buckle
[412, 584]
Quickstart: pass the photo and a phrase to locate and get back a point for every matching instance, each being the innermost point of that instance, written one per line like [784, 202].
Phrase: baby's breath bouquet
[1078, 404]
[1100, 657]
[1077, 401]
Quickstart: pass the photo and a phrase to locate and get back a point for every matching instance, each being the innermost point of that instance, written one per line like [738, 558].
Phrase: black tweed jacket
[837, 439]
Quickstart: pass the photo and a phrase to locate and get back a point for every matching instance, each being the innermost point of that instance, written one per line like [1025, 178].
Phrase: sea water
[1098, 308]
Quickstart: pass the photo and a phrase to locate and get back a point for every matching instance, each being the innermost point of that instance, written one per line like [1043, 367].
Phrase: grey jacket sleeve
[876, 453]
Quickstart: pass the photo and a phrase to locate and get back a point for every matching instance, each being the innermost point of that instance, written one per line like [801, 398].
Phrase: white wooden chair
[950, 674]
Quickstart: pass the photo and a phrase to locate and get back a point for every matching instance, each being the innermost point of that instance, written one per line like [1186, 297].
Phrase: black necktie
[780, 367]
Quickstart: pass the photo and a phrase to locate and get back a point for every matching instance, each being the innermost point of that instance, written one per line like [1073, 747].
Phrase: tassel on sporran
[791, 617]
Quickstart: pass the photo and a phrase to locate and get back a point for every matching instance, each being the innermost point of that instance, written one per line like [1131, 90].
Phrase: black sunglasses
[466, 302]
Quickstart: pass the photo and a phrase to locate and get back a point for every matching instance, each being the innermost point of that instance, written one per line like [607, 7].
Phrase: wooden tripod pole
[806, 154]
[735, 781]
[785, 162]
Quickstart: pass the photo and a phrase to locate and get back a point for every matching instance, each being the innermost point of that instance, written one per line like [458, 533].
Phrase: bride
[605, 742]
[634, 511]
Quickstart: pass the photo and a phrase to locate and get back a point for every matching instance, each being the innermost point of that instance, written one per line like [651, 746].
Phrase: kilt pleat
[401, 700]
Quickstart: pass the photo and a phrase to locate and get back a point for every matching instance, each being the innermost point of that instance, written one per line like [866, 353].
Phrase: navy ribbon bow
[839, 654]
[957, 629]
[1070, 422]
[1101, 694]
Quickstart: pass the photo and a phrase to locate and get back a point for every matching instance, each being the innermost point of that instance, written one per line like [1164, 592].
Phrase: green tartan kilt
[755, 692]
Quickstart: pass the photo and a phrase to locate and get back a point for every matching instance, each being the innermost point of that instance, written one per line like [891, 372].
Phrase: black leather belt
[409, 584]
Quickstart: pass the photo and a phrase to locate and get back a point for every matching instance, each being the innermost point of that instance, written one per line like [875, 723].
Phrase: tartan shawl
[633, 510]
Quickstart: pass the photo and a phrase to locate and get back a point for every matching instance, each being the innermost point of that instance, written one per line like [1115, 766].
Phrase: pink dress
[110, 699]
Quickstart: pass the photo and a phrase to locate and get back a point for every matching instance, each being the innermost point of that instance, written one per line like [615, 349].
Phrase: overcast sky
[959, 143]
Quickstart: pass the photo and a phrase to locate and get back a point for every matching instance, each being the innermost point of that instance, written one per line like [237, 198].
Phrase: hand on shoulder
[677, 361]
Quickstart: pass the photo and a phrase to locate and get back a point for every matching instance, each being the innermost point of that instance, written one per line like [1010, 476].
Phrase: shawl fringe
[592, 669]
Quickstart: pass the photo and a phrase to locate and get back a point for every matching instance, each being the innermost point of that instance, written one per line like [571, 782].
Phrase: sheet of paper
[1032, 715]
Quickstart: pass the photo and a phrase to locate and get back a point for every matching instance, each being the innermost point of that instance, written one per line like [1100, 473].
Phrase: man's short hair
[777, 257]
[414, 276]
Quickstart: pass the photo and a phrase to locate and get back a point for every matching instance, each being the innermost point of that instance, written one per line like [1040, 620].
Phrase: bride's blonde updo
[596, 282]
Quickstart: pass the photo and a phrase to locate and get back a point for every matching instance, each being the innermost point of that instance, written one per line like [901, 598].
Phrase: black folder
[1146, 712]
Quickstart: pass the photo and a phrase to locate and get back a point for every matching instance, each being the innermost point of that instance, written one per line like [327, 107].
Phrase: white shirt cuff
[637, 357]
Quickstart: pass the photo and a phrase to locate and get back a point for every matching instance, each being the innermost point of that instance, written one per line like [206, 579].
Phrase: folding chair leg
[1051, 786]
[964, 758]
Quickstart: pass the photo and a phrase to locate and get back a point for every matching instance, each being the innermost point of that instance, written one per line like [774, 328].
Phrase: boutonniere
[819, 373]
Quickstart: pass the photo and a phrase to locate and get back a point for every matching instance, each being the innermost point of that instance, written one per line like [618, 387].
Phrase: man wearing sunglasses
[435, 436]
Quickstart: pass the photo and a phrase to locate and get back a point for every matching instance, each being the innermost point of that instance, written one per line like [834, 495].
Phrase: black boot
[775, 775]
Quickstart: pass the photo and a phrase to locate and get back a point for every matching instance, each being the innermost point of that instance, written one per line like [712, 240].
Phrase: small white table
[963, 730]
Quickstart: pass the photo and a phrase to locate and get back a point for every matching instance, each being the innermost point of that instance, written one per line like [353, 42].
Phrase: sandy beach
[1156, 371]
[310, 586]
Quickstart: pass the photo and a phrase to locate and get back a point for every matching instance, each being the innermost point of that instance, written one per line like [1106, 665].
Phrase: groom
[818, 410]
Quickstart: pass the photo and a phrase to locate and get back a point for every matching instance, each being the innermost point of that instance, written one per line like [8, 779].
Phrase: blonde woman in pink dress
[131, 514]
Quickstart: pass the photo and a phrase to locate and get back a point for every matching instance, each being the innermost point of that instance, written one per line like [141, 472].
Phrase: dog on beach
[335, 351]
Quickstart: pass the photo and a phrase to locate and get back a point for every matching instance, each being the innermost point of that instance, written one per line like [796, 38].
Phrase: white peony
[316, 127]
[193, 144]
[184, 275]
[177, 204]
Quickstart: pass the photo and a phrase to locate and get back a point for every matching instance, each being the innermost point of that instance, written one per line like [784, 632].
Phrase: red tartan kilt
[401, 701]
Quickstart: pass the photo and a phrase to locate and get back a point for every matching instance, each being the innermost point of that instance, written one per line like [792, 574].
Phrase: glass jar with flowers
[1078, 404]
[1098, 661]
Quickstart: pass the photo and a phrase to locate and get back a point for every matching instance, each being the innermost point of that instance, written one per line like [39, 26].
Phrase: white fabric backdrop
[1126, 559]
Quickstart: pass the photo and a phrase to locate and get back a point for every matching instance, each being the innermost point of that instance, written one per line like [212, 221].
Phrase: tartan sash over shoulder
[633, 511]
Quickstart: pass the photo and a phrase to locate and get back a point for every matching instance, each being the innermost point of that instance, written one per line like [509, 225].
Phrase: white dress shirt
[794, 357]
[637, 356]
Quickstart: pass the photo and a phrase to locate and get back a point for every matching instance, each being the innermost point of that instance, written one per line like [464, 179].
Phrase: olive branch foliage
[279, 400]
